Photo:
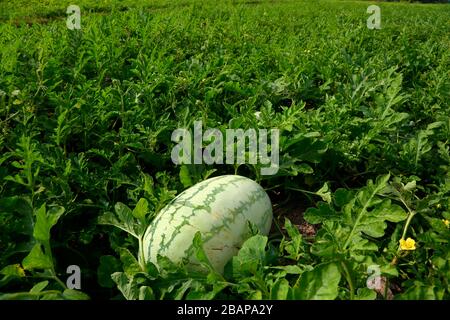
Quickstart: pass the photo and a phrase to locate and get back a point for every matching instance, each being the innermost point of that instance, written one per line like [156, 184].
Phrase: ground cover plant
[361, 199]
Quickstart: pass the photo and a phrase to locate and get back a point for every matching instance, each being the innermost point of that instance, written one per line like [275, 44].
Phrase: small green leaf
[255, 295]
[36, 259]
[141, 209]
[365, 294]
[200, 254]
[342, 197]
[130, 264]
[185, 176]
[294, 245]
[127, 286]
[280, 290]
[289, 269]
[410, 186]
[323, 212]
[39, 287]
[389, 270]
[361, 244]
[125, 220]
[321, 283]
[181, 291]
[146, 293]
[13, 270]
[45, 221]
[16, 204]
[421, 291]
[291, 229]
[250, 257]
[41, 228]
[165, 263]
[70, 294]
[151, 270]
[325, 193]
[18, 296]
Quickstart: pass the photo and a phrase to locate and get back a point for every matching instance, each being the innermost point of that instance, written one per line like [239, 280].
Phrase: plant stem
[141, 258]
[301, 190]
[349, 280]
[48, 252]
[408, 220]
[412, 213]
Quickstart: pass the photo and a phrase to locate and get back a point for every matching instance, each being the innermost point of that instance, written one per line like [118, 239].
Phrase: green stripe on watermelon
[219, 208]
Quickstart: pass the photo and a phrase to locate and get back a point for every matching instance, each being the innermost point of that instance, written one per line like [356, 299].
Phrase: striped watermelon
[219, 208]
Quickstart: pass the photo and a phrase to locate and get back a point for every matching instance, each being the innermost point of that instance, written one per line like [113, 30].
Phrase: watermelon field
[226, 150]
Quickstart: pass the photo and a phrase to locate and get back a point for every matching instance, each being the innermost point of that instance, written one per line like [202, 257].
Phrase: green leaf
[289, 269]
[280, 290]
[363, 215]
[108, 265]
[130, 264]
[292, 230]
[410, 186]
[181, 291]
[146, 293]
[141, 209]
[39, 287]
[70, 294]
[45, 221]
[373, 223]
[127, 286]
[185, 176]
[151, 270]
[36, 259]
[52, 296]
[328, 239]
[5, 157]
[360, 244]
[389, 270]
[321, 283]
[18, 296]
[365, 294]
[109, 218]
[125, 216]
[165, 263]
[421, 291]
[305, 147]
[20, 206]
[323, 212]
[255, 295]
[125, 220]
[203, 293]
[294, 245]
[325, 193]
[200, 254]
[437, 225]
[342, 197]
[13, 270]
[302, 168]
[250, 257]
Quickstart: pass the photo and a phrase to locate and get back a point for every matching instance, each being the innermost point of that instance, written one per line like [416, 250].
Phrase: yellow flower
[446, 222]
[408, 244]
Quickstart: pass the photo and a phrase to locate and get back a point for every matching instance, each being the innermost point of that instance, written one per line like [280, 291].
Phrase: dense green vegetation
[86, 118]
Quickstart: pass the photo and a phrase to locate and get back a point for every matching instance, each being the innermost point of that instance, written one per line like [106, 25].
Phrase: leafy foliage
[86, 118]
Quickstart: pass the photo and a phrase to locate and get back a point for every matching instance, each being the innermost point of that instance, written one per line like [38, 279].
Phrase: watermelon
[219, 208]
